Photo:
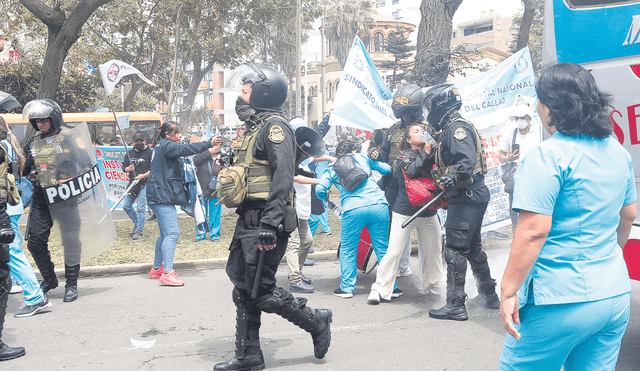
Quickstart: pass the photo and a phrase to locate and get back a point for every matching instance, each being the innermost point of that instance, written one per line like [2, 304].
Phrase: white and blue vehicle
[604, 37]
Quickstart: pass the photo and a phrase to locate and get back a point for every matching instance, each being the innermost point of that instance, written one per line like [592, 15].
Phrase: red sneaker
[171, 279]
[154, 274]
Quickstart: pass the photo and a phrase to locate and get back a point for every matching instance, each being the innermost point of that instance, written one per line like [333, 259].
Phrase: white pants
[430, 245]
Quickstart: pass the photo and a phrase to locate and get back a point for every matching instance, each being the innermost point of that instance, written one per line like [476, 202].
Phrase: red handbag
[422, 190]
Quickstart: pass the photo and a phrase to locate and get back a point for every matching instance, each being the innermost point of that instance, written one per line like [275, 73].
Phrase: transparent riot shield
[77, 198]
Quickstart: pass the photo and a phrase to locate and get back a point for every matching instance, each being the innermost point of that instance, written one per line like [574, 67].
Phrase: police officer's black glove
[7, 235]
[448, 181]
[266, 235]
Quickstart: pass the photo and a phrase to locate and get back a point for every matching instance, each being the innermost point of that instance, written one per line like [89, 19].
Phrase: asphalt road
[131, 323]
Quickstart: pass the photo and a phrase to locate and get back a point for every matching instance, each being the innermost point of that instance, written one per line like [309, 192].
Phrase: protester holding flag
[165, 191]
[207, 170]
[137, 163]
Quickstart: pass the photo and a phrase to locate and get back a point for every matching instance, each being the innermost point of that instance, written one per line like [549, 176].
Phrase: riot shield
[75, 193]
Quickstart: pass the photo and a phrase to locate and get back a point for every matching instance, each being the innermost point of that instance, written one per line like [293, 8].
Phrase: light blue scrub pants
[21, 268]
[323, 219]
[580, 336]
[376, 219]
[214, 213]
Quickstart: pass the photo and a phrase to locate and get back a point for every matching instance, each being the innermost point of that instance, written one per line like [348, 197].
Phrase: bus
[101, 125]
[604, 37]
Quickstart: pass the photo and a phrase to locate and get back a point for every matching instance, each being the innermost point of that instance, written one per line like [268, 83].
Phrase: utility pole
[298, 61]
[322, 81]
[175, 65]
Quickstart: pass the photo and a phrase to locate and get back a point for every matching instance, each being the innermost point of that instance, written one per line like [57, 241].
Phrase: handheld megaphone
[309, 144]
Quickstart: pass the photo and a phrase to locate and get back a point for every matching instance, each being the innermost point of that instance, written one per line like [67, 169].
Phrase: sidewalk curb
[144, 268]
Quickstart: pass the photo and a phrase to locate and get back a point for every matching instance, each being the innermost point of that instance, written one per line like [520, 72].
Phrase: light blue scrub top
[582, 183]
[366, 195]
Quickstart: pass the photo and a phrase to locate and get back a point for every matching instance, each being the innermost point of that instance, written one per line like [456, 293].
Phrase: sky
[468, 11]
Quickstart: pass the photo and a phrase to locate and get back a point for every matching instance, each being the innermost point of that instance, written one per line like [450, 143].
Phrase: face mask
[139, 146]
[243, 109]
[522, 123]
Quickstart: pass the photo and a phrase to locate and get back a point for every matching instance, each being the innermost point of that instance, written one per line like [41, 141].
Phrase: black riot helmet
[42, 109]
[269, 88]
[441, 100]
[8, 103]
[407, 101]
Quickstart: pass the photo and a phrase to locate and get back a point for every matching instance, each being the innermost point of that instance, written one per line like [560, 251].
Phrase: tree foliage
[400, 46]
[345, 20]
[433, 53]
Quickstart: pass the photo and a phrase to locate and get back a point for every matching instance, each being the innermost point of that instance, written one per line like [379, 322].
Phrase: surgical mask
[139, 146]
[521, 123]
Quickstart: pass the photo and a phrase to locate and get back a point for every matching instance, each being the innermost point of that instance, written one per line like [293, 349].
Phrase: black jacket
[204, 162]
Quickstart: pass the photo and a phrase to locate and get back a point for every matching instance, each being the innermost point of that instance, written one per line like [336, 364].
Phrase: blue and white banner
[362, 100]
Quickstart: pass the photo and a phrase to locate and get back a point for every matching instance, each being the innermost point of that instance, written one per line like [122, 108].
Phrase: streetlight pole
[298, 61]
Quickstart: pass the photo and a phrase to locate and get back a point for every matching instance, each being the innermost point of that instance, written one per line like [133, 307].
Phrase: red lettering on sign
[617, 130]
[633, 123]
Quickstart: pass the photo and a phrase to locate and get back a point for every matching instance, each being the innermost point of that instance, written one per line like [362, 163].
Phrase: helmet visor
[244, 74]
[36, 109]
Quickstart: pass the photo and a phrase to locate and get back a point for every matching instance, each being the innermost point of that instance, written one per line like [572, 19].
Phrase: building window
[380, 3]
[378, 42]
[330, 91]
[208, 76]
[396, 14]
[395, 2]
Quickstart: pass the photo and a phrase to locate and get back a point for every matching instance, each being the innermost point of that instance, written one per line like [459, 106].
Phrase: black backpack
[351, 176]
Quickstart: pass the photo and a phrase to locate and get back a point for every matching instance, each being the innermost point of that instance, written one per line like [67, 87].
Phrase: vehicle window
[592, 3]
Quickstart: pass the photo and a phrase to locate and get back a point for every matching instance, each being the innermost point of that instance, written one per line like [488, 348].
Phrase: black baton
[422, 209]
[256, 281]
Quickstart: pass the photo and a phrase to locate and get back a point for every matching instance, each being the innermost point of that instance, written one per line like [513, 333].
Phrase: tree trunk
[434, 41]
[196, 79]
[527, 21]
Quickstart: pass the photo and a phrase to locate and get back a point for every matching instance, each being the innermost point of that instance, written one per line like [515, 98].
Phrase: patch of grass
[126, 251]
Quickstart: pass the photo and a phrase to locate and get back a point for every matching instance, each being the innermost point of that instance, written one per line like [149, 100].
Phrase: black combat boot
[47, 270]
[71, 273]
[455, 308]
[487, 294]
[485, 284]
[248, 355]
[314, 321]
[7, 352]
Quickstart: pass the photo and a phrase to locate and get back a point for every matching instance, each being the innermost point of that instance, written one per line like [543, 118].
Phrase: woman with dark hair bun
[565, 290]
[165, 190]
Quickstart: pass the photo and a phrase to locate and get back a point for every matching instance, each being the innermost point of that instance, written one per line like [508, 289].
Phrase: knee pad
[271, 303]
[478, 259]
[450, 255]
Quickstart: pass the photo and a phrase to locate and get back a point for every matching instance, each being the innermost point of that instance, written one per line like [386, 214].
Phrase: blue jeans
[21, 268]
[214, 214]
[138, 216]
[580, 336]
[376, 219]
[169, 233]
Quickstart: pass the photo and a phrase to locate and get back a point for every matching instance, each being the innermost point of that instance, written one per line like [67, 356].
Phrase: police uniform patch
[460, 134]
[276, 134]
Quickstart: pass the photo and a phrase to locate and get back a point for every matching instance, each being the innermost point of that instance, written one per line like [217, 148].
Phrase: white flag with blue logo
[362, 100]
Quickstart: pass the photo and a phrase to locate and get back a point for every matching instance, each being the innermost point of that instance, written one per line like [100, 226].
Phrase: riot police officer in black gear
[407, 106]
[45, 116]
[265, 218]
[461, 166]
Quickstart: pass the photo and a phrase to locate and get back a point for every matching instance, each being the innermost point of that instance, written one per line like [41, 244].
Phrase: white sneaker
[15, 289]
[374, 298]
[405, 273]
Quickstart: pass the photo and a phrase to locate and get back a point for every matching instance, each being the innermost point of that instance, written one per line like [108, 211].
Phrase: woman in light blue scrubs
[565, 290]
